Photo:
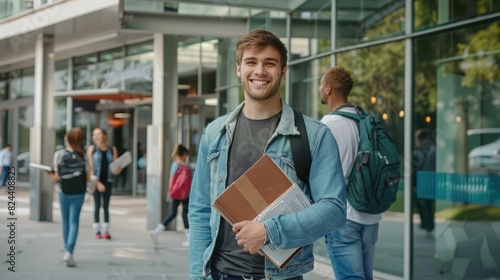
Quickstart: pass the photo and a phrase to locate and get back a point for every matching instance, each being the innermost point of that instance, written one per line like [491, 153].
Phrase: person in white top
[350, 248]
[6, 161]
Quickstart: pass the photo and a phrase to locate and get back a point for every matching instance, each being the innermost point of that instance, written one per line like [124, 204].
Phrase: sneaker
[67, 256]
[68, 259]
[154, 236]
[98, 235]
[107, 236]
[185, 244]
[70, 262]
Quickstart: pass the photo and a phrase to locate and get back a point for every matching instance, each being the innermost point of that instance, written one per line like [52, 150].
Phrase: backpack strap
[360, 112]
[300, 149]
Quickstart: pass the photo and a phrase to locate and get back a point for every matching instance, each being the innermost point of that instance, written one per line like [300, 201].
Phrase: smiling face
[261, 73]
[98, 136]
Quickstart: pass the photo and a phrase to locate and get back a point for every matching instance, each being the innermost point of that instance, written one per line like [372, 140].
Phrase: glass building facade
[424, 67]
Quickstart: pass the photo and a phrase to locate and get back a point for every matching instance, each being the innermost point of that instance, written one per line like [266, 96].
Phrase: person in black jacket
[424, 158]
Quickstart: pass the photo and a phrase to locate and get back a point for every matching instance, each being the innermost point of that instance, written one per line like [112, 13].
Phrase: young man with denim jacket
[230, 145]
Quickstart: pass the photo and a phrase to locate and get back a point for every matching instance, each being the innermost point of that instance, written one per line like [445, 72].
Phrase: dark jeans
[173, 212]
[105, 203]
[425, 208]
[217, 275]
[5, 175]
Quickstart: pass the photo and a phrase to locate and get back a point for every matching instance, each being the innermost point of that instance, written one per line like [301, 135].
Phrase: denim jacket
[97, 157]
[327, 191]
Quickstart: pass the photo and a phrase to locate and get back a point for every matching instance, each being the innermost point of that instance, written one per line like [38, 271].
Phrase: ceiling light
[183, 87]
[122, 115]
[211, 102]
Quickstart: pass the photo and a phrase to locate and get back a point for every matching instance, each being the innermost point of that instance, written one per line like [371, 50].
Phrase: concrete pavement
[129, 255]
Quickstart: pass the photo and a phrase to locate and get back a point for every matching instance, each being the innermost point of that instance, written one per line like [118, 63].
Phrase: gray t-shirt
[250, 140]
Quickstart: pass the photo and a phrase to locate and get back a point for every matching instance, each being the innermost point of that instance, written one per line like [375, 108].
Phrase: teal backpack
[374, 178]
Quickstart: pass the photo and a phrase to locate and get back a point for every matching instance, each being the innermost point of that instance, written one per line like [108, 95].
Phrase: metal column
[42, 132]
[162, 133]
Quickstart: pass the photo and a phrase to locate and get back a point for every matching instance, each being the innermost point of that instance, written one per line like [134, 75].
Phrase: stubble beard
[268, 94]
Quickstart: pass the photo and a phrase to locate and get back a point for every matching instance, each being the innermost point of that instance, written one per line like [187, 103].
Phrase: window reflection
[22, 83]
[109, 71]
[84, 69]
[217, 9]
[60, 121]
[429, 13]
[4, 84]
[61, 75]
[24, 122]
[311, 29]
[190, 67]
[366, 20]
[378, 74]
[457, 97]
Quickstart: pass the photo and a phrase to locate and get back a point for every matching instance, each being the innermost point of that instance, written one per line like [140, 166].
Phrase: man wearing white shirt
[351, 248]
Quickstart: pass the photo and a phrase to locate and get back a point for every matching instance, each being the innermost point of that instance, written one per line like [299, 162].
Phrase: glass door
[194, 114]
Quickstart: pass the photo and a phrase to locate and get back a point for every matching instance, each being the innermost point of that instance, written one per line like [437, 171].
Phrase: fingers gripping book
[262, 192]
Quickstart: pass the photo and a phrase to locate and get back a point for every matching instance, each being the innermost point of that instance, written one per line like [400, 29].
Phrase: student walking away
[100, 156]
[179, 186]
[262, 124]
[351, 248]
[71, 178]
[424, 159]
[6, 161]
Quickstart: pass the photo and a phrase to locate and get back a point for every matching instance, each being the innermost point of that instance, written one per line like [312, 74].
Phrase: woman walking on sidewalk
[179, 165]
[70, 200]
[100, 156]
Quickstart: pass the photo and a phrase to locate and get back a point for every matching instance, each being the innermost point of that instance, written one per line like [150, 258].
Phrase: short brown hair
[257, 39]
[339, 79]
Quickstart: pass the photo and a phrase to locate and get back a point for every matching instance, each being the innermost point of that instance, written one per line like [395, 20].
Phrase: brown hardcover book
[263, 192]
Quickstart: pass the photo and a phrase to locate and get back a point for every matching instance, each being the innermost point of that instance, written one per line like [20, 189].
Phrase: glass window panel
[140, 72]
[24, 122]
[110, 74]
[219, 9]
[366, 20]
[188, 59]
[84, 72]
[258, 20]
[111, 55]
[378, 74]
[85, 60]
[61, 75]
[60, 121]
[22, 83]
[304, 84]
[209, 57]
[12, 7]
[15, 83]
[139, 48]
[429, 13]
[4, 86]
[457, 98]
[311, 29]
[110, 67]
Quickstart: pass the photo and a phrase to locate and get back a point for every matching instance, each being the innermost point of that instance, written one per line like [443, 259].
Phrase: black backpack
[72, 173]
[301, 152]
[374, 178]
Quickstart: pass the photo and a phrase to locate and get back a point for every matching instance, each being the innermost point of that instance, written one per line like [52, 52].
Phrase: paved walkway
[130, 255]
